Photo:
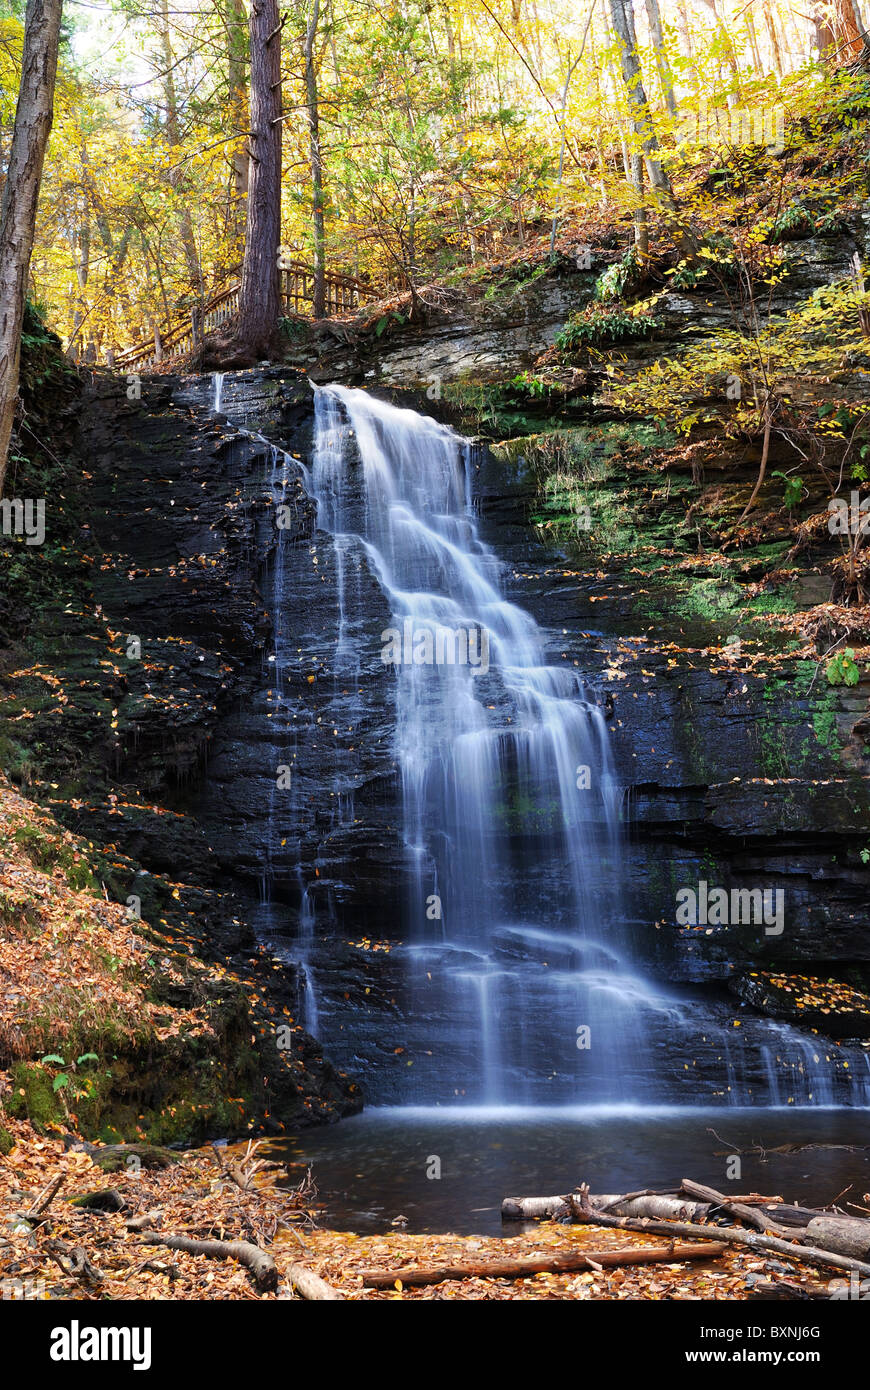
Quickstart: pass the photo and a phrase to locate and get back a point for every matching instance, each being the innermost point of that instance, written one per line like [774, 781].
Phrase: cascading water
[516, 947]
[506, 783]
[269, 918]
[517, 977]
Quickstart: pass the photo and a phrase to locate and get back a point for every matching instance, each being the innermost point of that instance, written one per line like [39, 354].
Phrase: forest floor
[111, 1025]
[76, 1252]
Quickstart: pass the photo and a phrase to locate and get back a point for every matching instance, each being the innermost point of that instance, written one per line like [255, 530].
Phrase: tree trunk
[727, 45]
[654, 16]
[259, 297]
[623, 22]
[316, 161]
[839, 34]
[237, 56]
[686, 39]
[33, 117]
[774, 38]
[82, 255]
[758, 66]
[173, 134]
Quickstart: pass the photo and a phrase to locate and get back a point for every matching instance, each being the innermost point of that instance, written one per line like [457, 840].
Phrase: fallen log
[735, 1235]
[664, 1206]
[844, 1235]
[756, 1217]
[257, 1261]
[113, 1157]
[787, 1215]
[311, 1286]
[535, 1209]
[146, 1222]
[847, 1235]
[673, 1253]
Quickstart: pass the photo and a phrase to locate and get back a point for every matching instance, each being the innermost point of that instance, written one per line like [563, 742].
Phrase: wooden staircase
[344, 295]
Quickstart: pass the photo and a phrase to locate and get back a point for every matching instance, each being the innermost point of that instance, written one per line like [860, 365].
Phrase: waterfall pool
[373, 1168]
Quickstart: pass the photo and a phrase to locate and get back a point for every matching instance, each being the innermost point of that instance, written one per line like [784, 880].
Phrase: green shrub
[843, 669]
[600, 324]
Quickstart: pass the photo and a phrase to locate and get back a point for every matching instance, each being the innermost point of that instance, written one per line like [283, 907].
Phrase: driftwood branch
[73, 1260]
[257, 1261]
[311, 1286]
[672, 1253]
[45, 1198]
[843, 1235]
[735, 1235]
[752, 1216]
[559, 1208]
[230, 1171]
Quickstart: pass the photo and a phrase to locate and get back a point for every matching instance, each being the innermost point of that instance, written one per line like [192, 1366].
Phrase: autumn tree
[312, 103]
[840, 36]
[237, 100]
[259, 297]
[33, 118]
[622, 15]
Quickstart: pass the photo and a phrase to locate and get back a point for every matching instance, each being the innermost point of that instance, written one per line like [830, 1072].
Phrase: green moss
[47, 852]
[826, 731]
[15, 761]
[500, 408]
[582, 491]
[522, 815]
[32, 1097]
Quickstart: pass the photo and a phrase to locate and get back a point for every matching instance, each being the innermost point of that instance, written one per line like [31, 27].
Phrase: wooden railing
[344, 294]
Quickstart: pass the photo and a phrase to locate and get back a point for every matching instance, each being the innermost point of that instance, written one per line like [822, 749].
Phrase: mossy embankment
[115, 1027]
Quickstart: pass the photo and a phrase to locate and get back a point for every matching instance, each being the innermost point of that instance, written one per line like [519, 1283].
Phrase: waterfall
[515, 970]
[516, 948]
[509, 801]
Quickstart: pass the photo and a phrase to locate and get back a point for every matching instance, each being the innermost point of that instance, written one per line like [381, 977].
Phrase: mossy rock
[113, 1158]
[105, 1200]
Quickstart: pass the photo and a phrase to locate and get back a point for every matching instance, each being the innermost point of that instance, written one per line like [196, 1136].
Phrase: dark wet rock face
[163, 649]
[492, 334]
[837, 1011]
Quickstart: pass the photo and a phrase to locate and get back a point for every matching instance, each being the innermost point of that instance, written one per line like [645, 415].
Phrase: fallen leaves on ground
[197, 1197]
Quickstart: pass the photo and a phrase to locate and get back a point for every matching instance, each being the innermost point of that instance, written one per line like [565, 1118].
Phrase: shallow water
[373, 1168]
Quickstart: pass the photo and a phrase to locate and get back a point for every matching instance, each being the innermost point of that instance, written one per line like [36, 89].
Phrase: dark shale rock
[810, 1003]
